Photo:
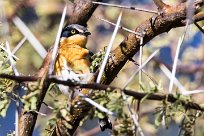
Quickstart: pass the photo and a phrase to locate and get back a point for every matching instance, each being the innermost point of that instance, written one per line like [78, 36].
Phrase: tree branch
[82, 11]
[200, 28]
[154, 26]
[173, 17]
[183, 69]
[137, 95]
[161, 97]
[198, 17]
[131, 45]
[19, 79]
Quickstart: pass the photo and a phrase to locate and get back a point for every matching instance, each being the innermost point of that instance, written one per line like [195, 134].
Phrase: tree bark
[82, 11]
[173, 16]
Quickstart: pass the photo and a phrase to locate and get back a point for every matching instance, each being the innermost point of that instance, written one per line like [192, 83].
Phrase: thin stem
[181, 39]
[4, 49]
[100, 107]
[19, 45]
[175, 80]
[133, 115]
[140, 72]
[48, 106]
[125, 7]
[19, 79]
[11, 59]
[30, 36]
[42, 114]
[200, 28]
[55, 49]
[121, 27]
[98, 80]
[16, 74]
[150, 77]
[141, 67]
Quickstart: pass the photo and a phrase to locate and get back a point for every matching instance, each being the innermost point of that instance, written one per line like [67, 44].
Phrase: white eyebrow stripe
[80, 30]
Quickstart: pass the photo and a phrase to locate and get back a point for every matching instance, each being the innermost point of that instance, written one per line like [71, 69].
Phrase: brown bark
[82, 11]
[173, 16]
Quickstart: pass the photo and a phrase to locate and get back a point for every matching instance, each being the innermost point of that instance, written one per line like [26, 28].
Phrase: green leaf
[33, 101]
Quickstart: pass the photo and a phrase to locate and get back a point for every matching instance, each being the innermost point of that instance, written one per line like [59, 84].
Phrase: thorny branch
[82, 11]
[173, 16]
[183, 69]
[96, 86]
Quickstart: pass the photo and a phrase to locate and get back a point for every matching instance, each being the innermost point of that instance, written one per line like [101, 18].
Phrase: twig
[31, 38]
[199, 16]
[182, 90]
[19, 79]
[17, 102]
[190, 9]
[100, 107]
[103, 65]
[137, 95]
[140, 72]
[98, 80]
[126, 7]
[181, 39]
[55, 49]
[159, 97]
[141, 67]
[140, 82]
[82, 11]
[121, 27]
[175, 80]
[192, 92]
[42, 114]
[4, 49]
[124, 97]
[133, 115]
[200, 28]
[150, 77]
[19, 45]
[11, 59]
[48, 106]
[182, 68]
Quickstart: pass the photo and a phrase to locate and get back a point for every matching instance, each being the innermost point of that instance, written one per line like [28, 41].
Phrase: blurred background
[42, 17]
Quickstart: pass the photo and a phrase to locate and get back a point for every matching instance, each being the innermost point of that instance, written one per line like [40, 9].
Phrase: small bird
[74, 60]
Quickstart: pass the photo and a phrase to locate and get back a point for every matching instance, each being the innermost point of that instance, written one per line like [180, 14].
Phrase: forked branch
[174, 17]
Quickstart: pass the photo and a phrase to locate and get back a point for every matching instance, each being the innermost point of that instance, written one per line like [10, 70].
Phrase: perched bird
[74, 60]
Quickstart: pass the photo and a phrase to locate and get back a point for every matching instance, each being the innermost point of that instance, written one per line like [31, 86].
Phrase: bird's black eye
[73, 31]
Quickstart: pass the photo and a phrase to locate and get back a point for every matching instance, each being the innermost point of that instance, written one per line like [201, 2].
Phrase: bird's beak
[87, 33]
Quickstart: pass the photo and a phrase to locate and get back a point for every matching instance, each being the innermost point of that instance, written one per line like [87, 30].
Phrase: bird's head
[74, 34]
